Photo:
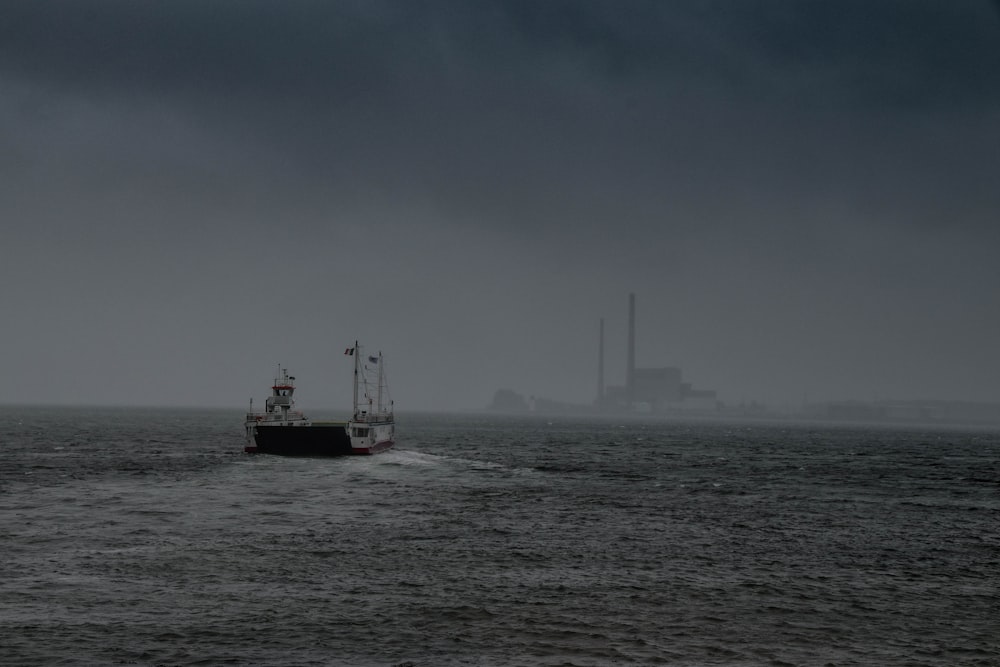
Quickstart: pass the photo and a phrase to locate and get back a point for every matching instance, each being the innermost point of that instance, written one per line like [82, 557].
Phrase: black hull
[315, 440]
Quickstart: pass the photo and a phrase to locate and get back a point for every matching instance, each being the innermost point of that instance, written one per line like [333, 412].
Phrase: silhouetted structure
[630, 368]
[508, 400]
[654, 388]
[600, 367]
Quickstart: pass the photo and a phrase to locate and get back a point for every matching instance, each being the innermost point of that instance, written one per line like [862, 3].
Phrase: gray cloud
[801, 194]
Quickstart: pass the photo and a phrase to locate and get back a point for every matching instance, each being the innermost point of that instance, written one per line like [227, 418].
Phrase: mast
[378, 392]
[356, 355]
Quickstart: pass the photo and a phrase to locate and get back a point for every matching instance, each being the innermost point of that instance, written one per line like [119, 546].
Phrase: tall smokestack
[600, 367]
[630, 371]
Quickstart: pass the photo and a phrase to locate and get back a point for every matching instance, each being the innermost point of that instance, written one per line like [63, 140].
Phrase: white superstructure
[278, 409]
[372, 425]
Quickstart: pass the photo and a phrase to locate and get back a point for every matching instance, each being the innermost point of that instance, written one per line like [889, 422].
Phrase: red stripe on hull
[374, 449]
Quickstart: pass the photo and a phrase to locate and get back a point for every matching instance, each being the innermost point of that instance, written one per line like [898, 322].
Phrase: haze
[803, 197]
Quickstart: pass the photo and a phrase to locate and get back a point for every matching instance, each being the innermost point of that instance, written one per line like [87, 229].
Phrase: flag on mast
[349, 351]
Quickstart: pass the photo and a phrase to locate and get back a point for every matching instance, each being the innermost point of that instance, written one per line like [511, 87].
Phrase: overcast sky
[804, 197]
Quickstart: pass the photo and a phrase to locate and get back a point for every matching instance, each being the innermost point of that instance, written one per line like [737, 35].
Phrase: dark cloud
[801, 193]
[901, 52]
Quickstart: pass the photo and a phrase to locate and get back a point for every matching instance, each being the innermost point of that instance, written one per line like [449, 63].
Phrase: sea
[148, 537]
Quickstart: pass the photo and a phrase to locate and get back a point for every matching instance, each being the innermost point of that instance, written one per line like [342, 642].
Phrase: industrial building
[655, 389]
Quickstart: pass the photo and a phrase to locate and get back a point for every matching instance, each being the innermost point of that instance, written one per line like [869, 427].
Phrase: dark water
[147, 537]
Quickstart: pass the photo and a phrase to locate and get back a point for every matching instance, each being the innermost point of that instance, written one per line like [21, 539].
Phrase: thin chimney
[630, 371]
[600, 367]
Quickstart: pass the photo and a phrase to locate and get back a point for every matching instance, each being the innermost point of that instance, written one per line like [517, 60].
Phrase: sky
[803, 197]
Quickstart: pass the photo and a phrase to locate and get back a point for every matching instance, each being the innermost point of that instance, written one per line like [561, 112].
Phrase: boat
[283, 430]
[372, 427]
